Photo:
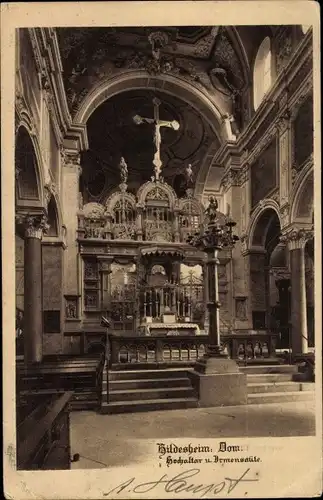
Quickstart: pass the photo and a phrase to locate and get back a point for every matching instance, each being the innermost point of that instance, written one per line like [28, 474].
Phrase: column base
[219, 382]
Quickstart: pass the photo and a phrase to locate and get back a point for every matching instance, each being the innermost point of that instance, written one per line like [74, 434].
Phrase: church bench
[83, 377]
[43, 433]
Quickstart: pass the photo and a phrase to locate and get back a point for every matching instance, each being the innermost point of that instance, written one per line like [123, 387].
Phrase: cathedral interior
[124, 139]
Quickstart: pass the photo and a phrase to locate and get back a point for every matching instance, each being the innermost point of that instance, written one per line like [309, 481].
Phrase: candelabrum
[212, 238]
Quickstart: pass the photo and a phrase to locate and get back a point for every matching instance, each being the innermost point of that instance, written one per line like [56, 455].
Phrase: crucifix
[157, 136]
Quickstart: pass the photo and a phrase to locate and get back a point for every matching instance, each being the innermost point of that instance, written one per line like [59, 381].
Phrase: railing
[154, 349]
[250, 346]
[187, 349]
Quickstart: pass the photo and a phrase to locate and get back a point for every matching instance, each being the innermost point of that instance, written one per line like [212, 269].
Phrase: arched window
[262, 77]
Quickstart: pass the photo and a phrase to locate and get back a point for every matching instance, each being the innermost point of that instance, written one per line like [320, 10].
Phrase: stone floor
[119, 440]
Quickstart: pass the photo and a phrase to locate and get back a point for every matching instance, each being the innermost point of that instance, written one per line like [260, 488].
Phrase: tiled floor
[118, 440]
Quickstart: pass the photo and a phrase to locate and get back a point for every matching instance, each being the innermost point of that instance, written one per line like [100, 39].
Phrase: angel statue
[123, 170]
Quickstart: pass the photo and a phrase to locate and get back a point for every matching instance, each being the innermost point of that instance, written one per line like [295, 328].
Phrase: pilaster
[71, 172]
[285, 155]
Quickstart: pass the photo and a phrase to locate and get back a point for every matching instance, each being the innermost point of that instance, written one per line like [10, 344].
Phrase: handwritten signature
[182, 483]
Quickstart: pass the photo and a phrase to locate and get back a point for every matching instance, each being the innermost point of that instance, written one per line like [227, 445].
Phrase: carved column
[71, 172]
[296, 240]
[34, 227]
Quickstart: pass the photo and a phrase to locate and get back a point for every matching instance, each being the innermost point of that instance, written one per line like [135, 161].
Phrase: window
[262, 78]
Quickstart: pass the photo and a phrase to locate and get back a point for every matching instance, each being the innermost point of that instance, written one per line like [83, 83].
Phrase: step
[259, 361]
[84, 405]
[149, 383]
[280, 397]
[266, 387]
[161, 365]
[153, 405]
[145, 374]
[269, 369]
[269, 377]
[151, 394]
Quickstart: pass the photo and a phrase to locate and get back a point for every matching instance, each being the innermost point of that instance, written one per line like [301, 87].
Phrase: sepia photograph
[164, 251]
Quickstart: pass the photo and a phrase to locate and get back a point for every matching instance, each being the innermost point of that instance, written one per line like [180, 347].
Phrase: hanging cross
[157, 136]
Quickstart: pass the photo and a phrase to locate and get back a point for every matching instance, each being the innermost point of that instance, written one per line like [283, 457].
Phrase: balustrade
[187, 349]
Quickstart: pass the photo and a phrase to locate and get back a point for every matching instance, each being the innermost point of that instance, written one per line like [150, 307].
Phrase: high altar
[137, 267]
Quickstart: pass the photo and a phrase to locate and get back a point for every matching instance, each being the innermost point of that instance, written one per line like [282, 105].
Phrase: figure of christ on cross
[157, 136]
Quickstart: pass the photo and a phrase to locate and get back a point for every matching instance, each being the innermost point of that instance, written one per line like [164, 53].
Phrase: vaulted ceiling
[214, 59]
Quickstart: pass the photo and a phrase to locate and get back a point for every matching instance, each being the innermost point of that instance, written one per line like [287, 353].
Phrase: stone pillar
[70, 204]
[217, 378]
[296, 240]
[206, 312]
[213, 302]
[34, 226]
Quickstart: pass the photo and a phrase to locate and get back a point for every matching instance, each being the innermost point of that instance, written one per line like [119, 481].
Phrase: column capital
[296, 238]
[229, 179]
[34, 225]
[71, 158]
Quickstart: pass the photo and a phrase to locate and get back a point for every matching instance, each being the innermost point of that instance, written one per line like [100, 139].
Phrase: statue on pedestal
[211, 211]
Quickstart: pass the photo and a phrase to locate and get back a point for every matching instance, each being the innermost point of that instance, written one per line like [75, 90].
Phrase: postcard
[161, 250]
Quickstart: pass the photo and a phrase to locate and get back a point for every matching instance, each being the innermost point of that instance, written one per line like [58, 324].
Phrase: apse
[113, 133]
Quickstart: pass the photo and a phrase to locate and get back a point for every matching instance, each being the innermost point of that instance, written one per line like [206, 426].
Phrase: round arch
[25, 138]
[241, 51]
[55, 217]
[262, 209]
[302, 206]
[142, 80]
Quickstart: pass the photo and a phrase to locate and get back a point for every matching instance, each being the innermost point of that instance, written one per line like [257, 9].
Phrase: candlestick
[157, 303]
[145, 304]
[150, 303]
[189, 307]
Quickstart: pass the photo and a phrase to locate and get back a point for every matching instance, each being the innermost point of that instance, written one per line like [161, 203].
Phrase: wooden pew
[81, 376]
[43, 432]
